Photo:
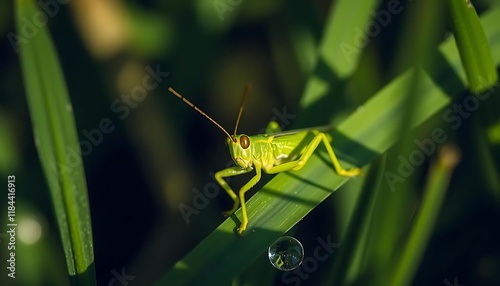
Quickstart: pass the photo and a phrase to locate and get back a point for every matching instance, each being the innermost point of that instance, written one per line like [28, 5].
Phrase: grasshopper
[272, 152]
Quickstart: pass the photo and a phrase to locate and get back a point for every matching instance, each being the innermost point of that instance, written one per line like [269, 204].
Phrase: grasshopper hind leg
[296, 165]
[322, 137]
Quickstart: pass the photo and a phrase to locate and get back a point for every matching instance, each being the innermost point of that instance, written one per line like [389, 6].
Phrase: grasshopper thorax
[241, 150]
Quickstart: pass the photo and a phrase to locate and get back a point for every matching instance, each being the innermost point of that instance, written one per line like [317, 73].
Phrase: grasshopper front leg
[233, 172]
[229, 172]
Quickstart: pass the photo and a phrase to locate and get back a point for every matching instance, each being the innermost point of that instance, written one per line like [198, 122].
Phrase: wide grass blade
[55, 135]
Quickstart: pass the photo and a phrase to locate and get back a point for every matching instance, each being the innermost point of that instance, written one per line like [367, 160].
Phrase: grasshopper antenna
[201, 112]
[248, 88]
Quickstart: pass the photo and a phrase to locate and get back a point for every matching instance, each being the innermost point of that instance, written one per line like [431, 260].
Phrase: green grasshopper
[272, 152]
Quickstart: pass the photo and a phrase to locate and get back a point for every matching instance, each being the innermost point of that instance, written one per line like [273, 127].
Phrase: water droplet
[286, 253]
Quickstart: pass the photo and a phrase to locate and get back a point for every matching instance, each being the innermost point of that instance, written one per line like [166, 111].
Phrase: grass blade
[347, 33]
[412, 252]
[350, 256]
[55, 132]
[339, 52]
[473, 46]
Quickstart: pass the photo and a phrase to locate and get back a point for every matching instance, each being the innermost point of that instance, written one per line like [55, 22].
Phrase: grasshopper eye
[244, 141]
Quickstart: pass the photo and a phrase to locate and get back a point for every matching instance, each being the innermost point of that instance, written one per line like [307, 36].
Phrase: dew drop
[286, 253]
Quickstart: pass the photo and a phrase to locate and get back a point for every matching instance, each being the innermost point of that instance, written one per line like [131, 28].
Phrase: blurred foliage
[158, 154]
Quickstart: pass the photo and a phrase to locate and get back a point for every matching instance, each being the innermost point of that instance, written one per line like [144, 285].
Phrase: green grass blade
[55, 132]
[350, 257]
[473, 46]
[339, 52]
[347, 32]
[412, 252]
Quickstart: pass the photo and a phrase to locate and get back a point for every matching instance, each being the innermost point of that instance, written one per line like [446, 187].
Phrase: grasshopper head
[240, 150]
